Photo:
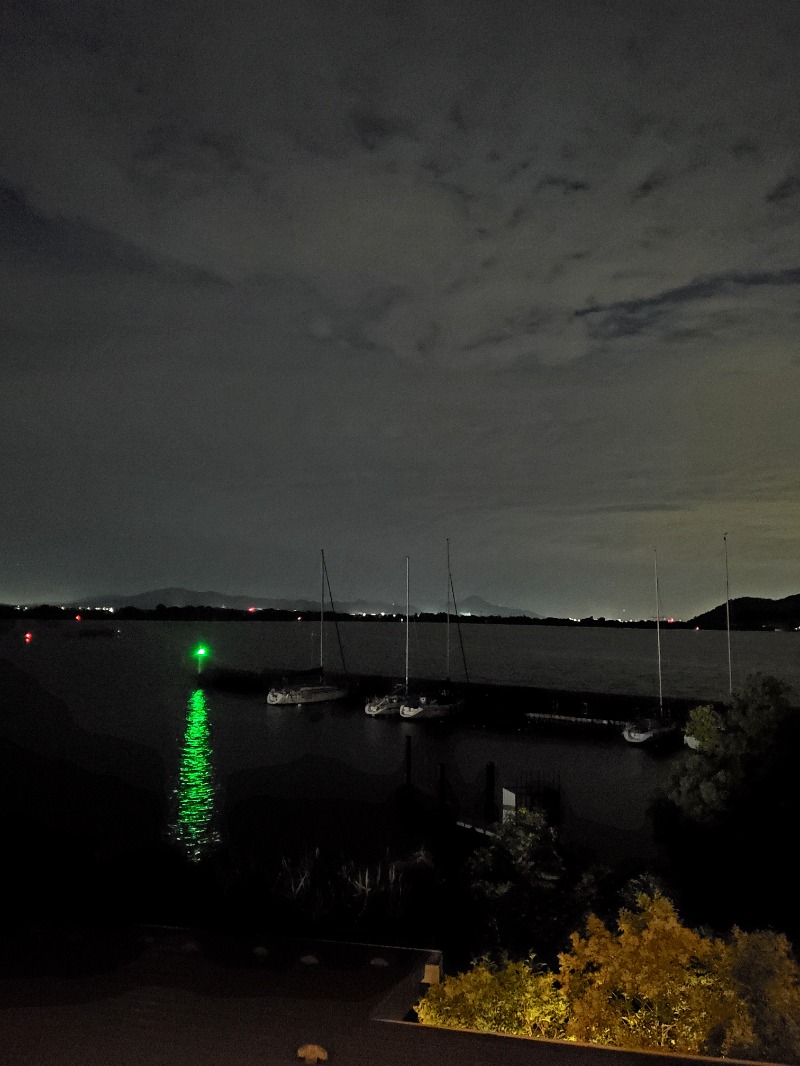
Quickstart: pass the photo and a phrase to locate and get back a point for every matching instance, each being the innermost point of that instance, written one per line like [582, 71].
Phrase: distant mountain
[181, 597]
[752, 612]
[477, 605]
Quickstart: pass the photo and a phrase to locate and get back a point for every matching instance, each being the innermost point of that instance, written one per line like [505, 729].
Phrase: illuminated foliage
[653, 984]
[705, 724]
[516, 998]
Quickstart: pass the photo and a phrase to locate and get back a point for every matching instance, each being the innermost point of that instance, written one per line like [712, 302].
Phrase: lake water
[143, 688]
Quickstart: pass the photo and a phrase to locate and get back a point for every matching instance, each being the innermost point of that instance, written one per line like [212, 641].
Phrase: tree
[522, 893]
[652, 984]
[768, 978]
[725, 813]
[705, 724]
[516, 998]
[738, 756]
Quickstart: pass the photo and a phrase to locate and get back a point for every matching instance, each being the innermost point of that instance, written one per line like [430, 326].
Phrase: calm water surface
[143, 688]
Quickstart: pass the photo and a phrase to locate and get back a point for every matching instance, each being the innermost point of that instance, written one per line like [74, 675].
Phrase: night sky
[364, 276]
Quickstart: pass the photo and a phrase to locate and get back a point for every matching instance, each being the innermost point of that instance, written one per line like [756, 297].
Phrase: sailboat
[649, 730]
[445, 702]
[389, 705]
[314, 692]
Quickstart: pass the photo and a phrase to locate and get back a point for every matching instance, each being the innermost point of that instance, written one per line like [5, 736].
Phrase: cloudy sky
[364, 276]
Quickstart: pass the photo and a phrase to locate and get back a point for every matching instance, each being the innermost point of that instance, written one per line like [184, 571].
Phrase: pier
[517, 705]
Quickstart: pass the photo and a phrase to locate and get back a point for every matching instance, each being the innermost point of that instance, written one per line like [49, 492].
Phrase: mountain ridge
[746, 612]
[753, 612]
[177, 596]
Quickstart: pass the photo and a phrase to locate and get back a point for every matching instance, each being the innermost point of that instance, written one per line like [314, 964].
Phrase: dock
[486, 703]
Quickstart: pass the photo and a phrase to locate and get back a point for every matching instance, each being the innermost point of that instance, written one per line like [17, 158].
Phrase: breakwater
[491, 704]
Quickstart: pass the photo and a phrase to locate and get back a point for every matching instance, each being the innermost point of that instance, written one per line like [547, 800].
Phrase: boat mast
[658, 635]
[321, 608]
[447, 628]
[452, 593]
[406, 625]
[728, 612]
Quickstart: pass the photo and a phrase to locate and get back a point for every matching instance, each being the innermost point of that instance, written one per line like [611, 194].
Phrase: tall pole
[449, 582]
[406, 624]
[658, 634]
[728, 612]
[321, 608]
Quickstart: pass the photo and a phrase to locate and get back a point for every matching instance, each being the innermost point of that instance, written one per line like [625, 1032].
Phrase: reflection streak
[194, 827]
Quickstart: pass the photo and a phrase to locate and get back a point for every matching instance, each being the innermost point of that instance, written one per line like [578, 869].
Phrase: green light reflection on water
[194, 827]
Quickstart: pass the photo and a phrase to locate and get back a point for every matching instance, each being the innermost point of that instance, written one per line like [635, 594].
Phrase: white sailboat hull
[305, 694]
[647, 730]
[383, 706]
[431, 707]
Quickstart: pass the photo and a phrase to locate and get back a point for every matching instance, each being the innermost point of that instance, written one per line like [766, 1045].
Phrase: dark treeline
[749, 619]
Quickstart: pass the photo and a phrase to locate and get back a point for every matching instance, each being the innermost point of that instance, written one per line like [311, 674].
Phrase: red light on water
[28, 638]
[670, 619]
[77, 618]
[251, 610]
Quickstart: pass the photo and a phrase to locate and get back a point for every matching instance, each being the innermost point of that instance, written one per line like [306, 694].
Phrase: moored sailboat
[655, 728]
[321, 691]
[389, 705]
[445, 702]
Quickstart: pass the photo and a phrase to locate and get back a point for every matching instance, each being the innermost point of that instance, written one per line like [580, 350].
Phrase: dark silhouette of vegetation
[522, 891]
[727, 819]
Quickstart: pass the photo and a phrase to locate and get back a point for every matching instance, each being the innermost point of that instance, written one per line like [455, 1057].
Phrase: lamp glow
[200, 653]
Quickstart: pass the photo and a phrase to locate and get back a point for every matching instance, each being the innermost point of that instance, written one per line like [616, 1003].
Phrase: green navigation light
[200, 653]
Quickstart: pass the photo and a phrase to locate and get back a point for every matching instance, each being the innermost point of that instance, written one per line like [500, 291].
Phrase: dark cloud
[631, 317]
[373, 130]
[567, 185]
[785, 190]
[64, 245]
[368, 266]
[651, 184]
